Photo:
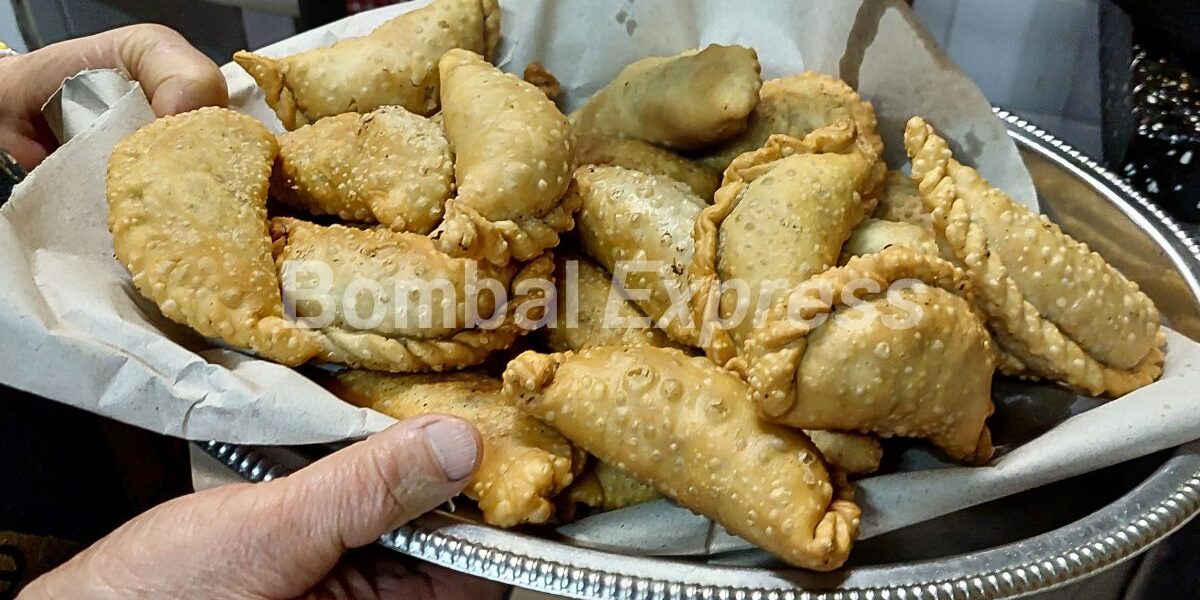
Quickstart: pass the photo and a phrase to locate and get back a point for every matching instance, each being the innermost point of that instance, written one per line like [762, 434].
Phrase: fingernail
[452, 444]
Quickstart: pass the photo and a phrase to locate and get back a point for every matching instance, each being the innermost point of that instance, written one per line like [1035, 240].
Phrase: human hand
[175, 76]
[291, 537]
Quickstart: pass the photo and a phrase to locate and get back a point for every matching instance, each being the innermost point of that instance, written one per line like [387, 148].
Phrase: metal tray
[1112, 515]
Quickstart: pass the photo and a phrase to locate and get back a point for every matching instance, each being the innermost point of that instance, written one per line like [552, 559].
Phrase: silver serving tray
[1018, 554]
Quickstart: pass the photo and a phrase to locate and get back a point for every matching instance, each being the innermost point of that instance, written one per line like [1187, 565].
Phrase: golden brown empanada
[780, 217]
[687, 101]
[513, 162]
[187, 209]
[393, 302]
[541, 78]
[639, 227]
[595, 149]
[388, 166]
[900, 201]
[913, 361]
[396, 65]
[854, 453]
[593, 312]
[683, 424]
[873, 235]
[525, 463]
[603, 488]
[1054, 305]
[798, 105]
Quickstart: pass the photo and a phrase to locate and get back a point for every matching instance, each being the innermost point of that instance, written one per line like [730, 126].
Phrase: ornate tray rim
[1158, 506]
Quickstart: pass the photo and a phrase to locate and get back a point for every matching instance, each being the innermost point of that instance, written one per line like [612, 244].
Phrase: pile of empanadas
[734, 298]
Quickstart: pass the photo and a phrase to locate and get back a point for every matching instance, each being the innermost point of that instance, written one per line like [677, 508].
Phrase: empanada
[780, 217]
[393, 302]
[683, 425]
[388, 166]
[798, 105]
[594, 312]
[187, 209]
[687, 101]
[911, 360]
[1055, 305]
[595, 149]
[525, 463]
[513, 162]
[396, 65]
[541, 78]
[603, 488]
[639, 227]
[900, 201]
[873, 235]
[854, 453]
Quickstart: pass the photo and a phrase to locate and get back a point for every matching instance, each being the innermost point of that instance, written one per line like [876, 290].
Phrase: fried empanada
[1056, 306]
[389, 166]
[873, 235]
[900, 201]
[513, 162]
[595, 149]
[685, 426]
[594, 312]
[525, 463]
[393, 302]
[187, 209]
[780, 217]
[396, 65]
[914, 361]
[854, 453]
[639, 227]
[798, 105]
[687, 101]
[603, 488]
[541, 78]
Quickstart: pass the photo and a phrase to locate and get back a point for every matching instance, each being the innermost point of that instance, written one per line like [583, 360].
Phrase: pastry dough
[513, 162]
[396, 65]
[684, 102]
[913, 361]
[388, 166]
[187, 209]
[683, 425]
[392, 302]
[525, 463]
[594, 149]
[639, 227]
[780, 217]
[1057, 307]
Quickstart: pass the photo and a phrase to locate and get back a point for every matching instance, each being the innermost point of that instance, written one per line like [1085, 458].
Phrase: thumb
[278, 539]
[352, 497]
[176, 76]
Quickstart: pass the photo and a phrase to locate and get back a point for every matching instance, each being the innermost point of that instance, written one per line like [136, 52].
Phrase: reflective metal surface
[1150, 497]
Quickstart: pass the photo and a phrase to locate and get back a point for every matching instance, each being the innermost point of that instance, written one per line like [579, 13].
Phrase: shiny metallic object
[1089, 203]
